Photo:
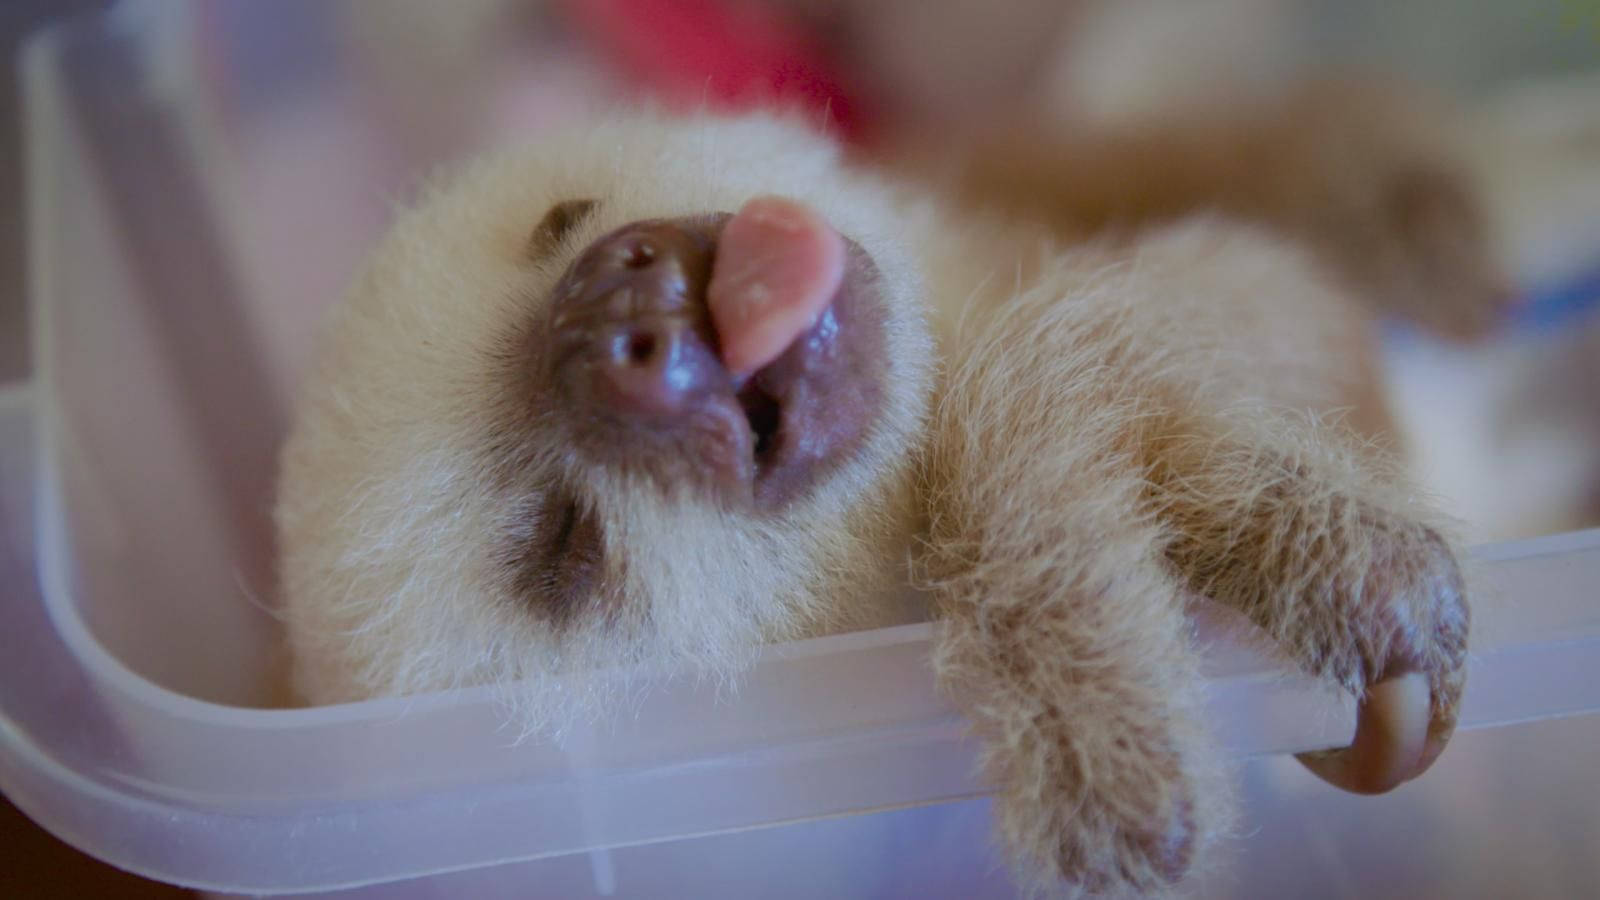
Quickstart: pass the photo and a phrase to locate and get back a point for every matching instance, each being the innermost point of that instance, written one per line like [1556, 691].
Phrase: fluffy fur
[412, 472]
[1076, 437]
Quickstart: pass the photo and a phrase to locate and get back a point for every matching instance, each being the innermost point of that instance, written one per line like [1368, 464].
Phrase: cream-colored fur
[412, 472]
[1076, 437]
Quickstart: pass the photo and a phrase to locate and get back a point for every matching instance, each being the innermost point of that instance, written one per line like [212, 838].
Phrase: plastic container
[184, 234]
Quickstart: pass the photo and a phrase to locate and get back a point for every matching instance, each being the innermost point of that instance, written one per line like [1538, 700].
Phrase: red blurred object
[719, 55]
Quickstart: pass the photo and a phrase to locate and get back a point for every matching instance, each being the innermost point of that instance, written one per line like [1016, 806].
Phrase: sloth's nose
[632, 335]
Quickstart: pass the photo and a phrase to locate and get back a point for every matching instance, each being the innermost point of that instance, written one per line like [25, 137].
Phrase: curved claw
[1397, 738]
[1440, 728]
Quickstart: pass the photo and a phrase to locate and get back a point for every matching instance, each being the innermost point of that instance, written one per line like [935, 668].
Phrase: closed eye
[567, 559]
[560, 219]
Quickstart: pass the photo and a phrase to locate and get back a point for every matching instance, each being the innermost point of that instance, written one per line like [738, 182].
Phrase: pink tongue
[778, 266]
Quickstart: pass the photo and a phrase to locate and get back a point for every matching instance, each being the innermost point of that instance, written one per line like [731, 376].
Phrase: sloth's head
[523, 454]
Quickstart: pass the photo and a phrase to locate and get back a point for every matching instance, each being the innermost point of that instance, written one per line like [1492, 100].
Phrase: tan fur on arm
[1064, 637]
[1365, 175]
[1326, 548]
[1105, 443]
[1283, 499]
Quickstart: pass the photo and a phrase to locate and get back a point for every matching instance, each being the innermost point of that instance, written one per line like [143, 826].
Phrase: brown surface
[33, 863]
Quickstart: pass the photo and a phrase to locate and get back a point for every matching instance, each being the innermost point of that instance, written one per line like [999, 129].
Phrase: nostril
[639, 256]
[655, 370]
[635, 349]
[641, 348]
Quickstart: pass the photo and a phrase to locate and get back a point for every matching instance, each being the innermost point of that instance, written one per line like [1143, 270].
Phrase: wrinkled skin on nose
[742, 353]
[632, 334]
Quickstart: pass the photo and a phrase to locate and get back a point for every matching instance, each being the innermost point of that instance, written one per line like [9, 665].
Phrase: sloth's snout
[650, 368]
[633, 340]
[637, 353]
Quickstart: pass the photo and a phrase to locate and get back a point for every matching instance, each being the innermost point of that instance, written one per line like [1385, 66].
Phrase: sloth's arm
[1063, 638]
[1331, 552]
[1112, 441]
[1365, 175]
[1274, 504]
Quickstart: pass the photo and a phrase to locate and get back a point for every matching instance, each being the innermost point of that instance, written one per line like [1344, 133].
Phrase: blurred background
[245, 154]
[35, 863]
[337, 109]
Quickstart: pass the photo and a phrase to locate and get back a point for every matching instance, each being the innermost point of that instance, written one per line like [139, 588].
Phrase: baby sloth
[651, 394]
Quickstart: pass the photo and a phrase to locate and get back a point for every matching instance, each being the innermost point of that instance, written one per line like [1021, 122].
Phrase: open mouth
[765, 416]
[758, 403]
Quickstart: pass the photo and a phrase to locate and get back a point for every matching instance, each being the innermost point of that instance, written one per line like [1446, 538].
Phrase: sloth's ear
[556, 223]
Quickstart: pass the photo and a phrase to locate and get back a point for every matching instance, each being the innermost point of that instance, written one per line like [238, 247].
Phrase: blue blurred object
[1549, 309]
[1557, 306]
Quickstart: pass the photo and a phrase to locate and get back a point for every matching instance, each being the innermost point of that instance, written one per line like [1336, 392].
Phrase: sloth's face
[524, 453]
[623, 370]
